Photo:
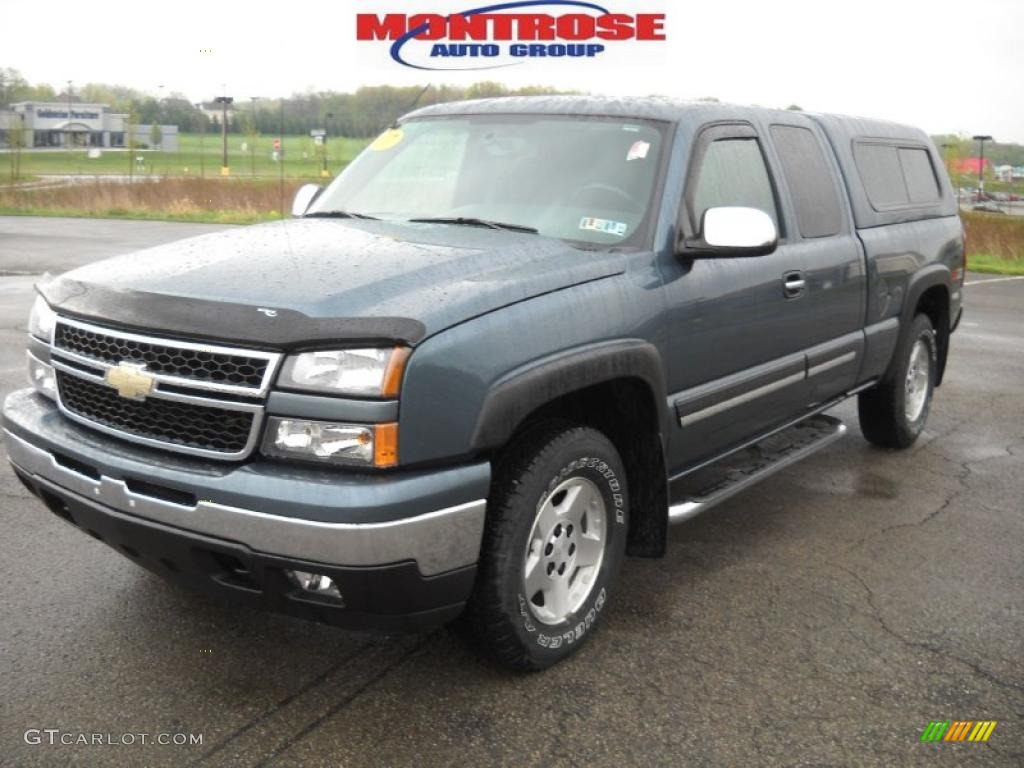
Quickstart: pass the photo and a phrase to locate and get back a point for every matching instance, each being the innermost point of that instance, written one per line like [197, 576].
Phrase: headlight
[365, 372]
[41, 320]
[41, 376]
[373, 445]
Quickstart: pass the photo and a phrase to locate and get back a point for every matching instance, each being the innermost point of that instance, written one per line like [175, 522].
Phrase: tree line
[361, 114]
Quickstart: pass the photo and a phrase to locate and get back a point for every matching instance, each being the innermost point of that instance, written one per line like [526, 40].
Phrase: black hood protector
[220, 322]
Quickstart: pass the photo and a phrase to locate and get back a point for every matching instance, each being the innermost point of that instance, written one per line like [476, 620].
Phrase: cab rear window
[811, 183]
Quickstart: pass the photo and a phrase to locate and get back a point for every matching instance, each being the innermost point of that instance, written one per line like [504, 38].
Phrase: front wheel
[554, 540]
[893, 413]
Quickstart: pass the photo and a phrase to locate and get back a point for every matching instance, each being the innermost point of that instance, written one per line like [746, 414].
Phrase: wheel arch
[615, 387]
[928, 294]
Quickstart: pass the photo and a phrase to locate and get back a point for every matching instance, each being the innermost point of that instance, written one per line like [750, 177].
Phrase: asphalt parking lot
[822, 618]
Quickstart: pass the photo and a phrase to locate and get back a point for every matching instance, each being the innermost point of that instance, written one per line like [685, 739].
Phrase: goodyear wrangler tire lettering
[553, 544]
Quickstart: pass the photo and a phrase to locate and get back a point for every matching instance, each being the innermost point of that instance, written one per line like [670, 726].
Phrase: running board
[736, 472]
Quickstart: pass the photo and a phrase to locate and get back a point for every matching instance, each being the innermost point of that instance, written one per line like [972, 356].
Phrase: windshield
[585, 180]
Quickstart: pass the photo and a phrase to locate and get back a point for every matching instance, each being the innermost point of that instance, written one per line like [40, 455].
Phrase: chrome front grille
[206, 400]
[180, 424]
[180, 362]
[205, 366]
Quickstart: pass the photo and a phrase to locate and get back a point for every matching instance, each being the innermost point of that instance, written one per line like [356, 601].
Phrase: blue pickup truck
[510, 344]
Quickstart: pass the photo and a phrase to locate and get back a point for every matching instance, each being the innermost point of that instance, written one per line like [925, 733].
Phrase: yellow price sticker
[390, 138]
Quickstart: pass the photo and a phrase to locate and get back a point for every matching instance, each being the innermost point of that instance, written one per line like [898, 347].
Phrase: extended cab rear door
[823, 239]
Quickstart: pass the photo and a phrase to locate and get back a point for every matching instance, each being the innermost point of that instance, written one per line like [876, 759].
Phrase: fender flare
[517, 394]
[924, 279]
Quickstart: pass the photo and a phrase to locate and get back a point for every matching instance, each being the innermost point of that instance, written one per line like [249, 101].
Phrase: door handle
[794, 285]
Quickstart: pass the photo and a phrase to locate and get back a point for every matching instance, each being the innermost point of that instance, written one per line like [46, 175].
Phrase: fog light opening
[42, 377]
[314, 583]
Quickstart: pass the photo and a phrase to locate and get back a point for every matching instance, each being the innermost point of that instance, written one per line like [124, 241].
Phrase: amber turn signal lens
[393, 374]
[385, 445]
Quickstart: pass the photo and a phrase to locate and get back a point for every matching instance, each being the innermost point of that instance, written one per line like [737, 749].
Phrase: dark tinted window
[895, 176]
[879, 167]
[810, 181]
[922, 185]
[733, 172]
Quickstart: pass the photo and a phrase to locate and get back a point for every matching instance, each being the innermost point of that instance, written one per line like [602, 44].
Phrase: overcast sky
[942, 65]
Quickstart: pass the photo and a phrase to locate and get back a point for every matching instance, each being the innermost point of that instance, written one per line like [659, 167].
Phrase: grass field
[995, 242]
[197, 156]
[986, 262]
[226, 201]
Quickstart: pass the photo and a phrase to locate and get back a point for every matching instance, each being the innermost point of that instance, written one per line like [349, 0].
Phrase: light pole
[949, 167]
[280, 157]
[330, 115]
[202, 135]
[68, 135]
[158, 118]
[224, 101]
[981, 164]
[252, 138]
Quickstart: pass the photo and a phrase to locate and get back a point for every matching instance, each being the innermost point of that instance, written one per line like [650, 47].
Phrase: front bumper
[402, 547]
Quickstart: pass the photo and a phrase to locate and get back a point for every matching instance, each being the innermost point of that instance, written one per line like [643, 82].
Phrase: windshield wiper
[464, 221]
[338, 215]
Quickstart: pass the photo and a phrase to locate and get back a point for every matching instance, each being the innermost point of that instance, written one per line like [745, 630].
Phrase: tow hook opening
[233, 572]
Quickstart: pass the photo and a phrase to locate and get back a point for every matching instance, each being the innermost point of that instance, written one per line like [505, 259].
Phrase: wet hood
[305, 281]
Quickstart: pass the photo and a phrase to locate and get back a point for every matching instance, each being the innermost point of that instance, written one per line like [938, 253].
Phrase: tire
[893, 412]
[558, 486]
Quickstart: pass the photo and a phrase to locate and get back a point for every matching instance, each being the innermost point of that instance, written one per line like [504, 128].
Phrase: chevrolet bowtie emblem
[130, 381]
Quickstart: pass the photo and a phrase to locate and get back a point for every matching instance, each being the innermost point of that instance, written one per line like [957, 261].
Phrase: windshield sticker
[638, 151]
[617, 228]
[390, 138]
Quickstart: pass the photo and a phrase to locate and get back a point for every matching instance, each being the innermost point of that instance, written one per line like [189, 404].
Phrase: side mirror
[734, 231]
[305, 196]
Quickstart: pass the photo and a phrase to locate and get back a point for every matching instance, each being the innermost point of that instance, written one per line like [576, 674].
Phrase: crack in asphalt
[345, 701]
[876, 614]
[281, 704]
[994, 748]
[953, 496]
[26, 496]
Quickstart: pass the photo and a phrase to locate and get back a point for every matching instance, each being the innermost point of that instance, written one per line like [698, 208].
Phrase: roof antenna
[420, 95]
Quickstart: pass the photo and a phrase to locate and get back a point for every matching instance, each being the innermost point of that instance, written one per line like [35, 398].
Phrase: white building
[51, 124]
[215, 112]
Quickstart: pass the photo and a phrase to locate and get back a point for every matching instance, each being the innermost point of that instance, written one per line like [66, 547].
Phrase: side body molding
[525, 389]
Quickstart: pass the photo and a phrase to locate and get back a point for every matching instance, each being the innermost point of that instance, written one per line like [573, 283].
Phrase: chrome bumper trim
[438, 541]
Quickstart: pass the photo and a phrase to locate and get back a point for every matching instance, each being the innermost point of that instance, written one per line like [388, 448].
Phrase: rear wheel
[893, 413]
[554, 540]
